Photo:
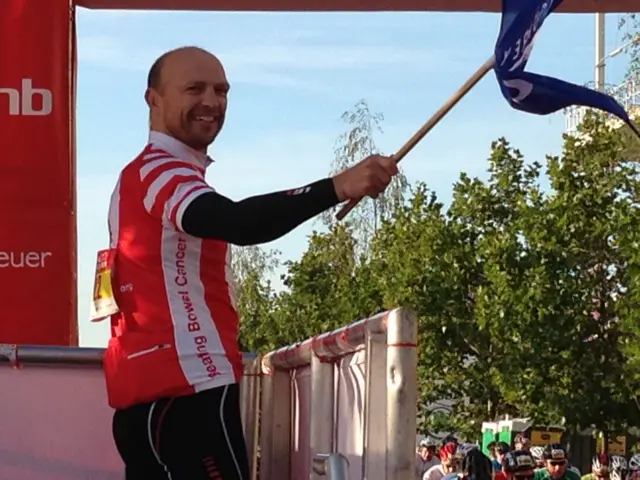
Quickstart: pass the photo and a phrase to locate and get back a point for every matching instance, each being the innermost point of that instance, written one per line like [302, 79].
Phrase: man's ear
[151, 97]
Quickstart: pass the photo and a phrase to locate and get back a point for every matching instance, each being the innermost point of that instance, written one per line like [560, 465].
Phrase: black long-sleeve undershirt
[258, 219]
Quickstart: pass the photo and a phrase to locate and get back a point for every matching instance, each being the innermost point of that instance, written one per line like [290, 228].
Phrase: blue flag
[530, 92]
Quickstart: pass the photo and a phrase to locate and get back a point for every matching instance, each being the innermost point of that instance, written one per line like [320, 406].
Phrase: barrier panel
[349, 418]
[340, 405]
[56, 423]
[353, 392]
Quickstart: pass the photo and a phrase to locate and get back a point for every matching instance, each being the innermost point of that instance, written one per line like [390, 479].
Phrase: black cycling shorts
[195, 437]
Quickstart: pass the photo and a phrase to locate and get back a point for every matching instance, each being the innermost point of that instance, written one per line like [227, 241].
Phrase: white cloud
[332, 57]
[120, 53]
[286, 65]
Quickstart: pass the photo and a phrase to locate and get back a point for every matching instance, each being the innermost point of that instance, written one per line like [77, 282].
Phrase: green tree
[457, 269]
[254, 295]
[518, 290]
[358, 142]
[321, 287]
[582, 271]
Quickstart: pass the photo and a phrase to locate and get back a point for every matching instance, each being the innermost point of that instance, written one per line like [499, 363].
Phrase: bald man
[173, 364]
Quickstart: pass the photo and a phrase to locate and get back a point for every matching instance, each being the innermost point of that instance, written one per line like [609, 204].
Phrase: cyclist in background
[501, 449]
[522, 443]
[448, 463]
[517, 465]
[556, 465]
[493, 456]
[599, 468]
[634, 467]
[618, 468]
[426, 457]
[475, 465]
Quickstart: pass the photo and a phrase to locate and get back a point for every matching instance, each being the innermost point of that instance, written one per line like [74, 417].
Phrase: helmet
[619, 463]
[427, 442]
[600, 463]
[537, 453]
[616, 475]
[555, 452]
[518, 461]
[634, 462]
[448, 452]
[618, 468]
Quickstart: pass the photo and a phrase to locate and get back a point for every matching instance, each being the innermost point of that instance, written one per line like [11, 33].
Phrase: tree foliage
[527, 287]
[629, 25]
[254, 295]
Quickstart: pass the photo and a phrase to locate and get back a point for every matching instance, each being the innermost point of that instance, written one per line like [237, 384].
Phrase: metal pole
[374, 457]
[600, 55]
[19, 355]
[402, 393]
[337, 467]
[334, 466]
[322, 399]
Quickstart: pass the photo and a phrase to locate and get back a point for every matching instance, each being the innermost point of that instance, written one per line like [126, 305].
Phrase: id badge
[104, 303]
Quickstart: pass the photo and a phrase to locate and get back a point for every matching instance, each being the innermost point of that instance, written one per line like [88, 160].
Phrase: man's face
[556, 468]
[427, 452]
[192, 100]
[601, 474]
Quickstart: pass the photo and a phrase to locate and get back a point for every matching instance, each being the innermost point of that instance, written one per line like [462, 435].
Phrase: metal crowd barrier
[56, 423]
[335, 466]
[301, 405]
[300, 424]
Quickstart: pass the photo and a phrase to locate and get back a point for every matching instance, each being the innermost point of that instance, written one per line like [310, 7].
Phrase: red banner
[37, 173]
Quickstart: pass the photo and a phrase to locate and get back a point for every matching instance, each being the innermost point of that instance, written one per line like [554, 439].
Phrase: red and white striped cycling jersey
[177, 330]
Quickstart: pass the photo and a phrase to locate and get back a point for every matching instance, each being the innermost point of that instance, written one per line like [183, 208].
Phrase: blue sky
[292, 76]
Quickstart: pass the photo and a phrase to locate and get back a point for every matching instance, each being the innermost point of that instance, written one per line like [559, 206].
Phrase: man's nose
[210, 99]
